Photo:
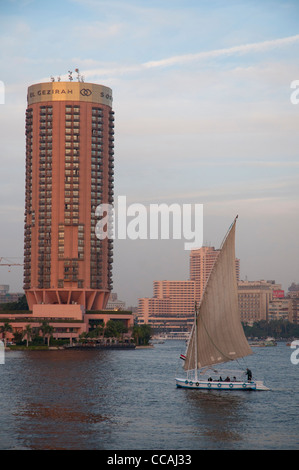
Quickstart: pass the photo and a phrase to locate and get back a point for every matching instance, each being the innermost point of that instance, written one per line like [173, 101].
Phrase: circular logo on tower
[85, 92]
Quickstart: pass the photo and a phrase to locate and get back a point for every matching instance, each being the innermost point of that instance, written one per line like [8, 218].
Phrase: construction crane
[8, 263]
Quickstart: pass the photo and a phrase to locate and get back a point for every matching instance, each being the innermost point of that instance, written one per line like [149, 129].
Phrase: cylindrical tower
[69, 172]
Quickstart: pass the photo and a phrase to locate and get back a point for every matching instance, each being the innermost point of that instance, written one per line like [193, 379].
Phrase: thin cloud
[243, 49]
[181, 59]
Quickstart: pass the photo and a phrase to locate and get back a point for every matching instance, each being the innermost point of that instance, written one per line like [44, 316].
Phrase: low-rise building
[172, 307]
[254, 298]
[294, 310]
[279, 309]
[6, 296]
[68, 322]
[114, 303]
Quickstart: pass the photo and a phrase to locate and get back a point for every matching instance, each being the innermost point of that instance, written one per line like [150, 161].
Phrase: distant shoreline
[76, 347]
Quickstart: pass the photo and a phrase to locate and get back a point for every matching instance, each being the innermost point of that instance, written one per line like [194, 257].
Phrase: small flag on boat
[183, 357]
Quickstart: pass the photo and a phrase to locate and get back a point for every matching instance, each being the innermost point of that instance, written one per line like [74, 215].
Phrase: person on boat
[249, 375]
[220, 379]
[227, 379]
[234, 379]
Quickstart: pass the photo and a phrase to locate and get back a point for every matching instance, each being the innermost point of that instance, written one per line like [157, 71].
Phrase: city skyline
[203, 115]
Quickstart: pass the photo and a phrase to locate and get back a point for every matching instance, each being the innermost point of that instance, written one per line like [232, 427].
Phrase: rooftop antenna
[70, 75]
[78, 74]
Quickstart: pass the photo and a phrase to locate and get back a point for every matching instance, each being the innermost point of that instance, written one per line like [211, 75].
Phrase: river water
[127, 399]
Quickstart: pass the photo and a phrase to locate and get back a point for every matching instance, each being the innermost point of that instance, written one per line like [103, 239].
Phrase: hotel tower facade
[69, 172]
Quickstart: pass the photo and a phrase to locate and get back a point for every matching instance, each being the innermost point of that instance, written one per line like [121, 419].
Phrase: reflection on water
[128, 400]
[58, 414]
[219, 414]
[56, 395]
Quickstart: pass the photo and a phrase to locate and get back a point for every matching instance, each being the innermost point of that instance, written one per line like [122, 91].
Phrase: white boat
[217, 334]
[157, 340]
[179, 335]
[270, 342]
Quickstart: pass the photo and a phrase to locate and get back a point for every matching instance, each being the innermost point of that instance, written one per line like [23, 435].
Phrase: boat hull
[207, 385]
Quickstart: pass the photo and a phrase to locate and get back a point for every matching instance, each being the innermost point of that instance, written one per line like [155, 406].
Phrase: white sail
[220, 336]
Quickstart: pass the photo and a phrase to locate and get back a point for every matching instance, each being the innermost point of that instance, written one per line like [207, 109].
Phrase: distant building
[254, 298]
[293, 290]
[258, 300]
[173, 302]
[114, 303]
[172, 307]
[201, 264]
[6, 297]
[293, 295]
[279, 309]
[4, 289]
[294, 310]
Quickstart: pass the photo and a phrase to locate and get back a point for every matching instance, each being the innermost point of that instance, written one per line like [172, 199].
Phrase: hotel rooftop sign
[69, 91]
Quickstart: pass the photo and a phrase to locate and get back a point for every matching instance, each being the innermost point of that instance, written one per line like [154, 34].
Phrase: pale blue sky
[203, 115]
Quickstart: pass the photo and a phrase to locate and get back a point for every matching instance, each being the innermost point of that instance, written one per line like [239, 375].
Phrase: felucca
[217, 334]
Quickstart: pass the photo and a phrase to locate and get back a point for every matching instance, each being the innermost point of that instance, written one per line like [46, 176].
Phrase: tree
[17, 336]
[46, 330]
[5, 329]
[136, 333]
[142, 334]
[96, 332]
[83, 337]
[274, 328]
[115, 329]
[28, 333]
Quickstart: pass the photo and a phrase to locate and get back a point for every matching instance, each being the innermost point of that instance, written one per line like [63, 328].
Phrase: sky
[203, 115]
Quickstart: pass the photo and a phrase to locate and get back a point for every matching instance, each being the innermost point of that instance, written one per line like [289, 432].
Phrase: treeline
[275, 328]
[114, 329]
[141, 334]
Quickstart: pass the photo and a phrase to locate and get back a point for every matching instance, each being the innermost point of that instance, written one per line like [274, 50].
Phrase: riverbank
[102, 346]
[72, 347]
